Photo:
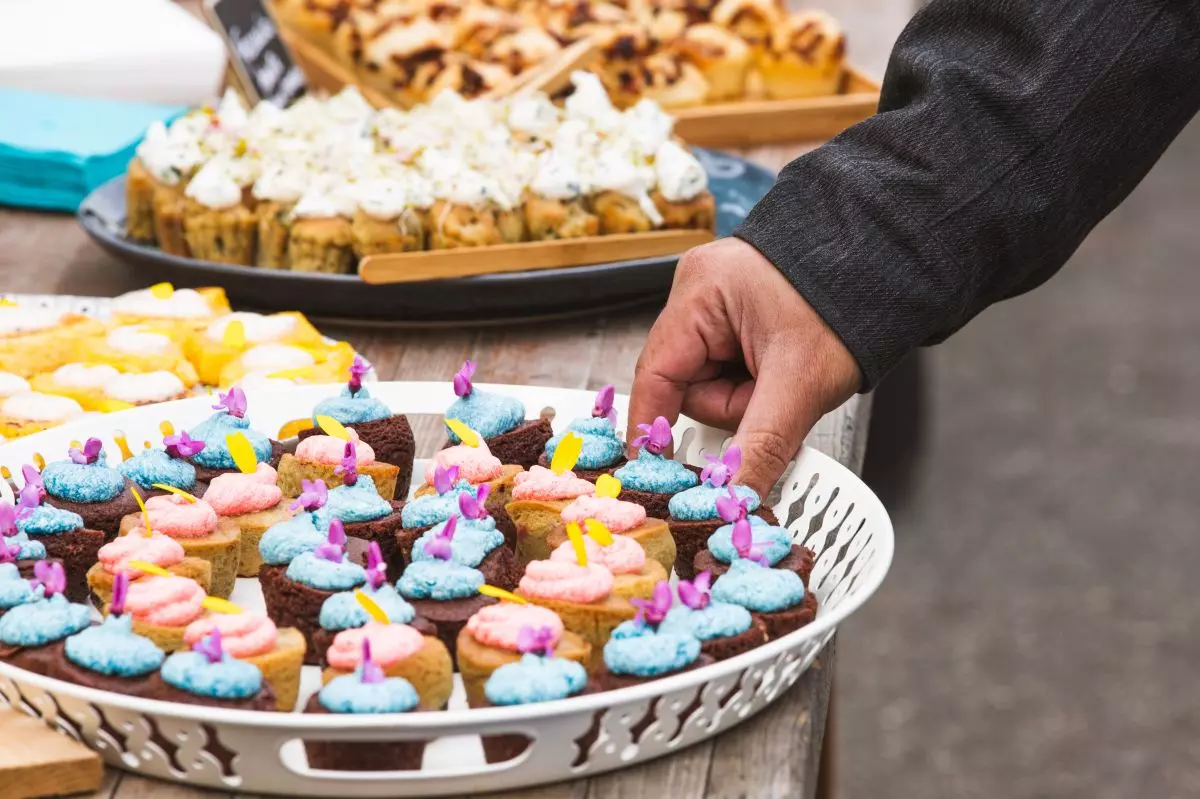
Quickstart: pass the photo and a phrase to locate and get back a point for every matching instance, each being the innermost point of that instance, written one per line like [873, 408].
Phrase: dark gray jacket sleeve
[1006, 130]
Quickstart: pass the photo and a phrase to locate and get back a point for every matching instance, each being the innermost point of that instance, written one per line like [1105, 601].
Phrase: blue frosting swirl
[212, 432]
[228, 679]
[656, 474]
[434, 508]
[700, 503]
[775, 542]
[26, 549]
[487, 414]
[282, 542]
[470, 545]
[152, 466]
[535, 678]
[718, 620]
[601, 445]
[439, 579]
[357, 503]
[342, 611]
[43, 621]
[349, 694]
[48, 520]
[326, 575]
[14, 589]
[350, 408]
[83, 482]
[114, 649]
[640, 651]
[758, 588]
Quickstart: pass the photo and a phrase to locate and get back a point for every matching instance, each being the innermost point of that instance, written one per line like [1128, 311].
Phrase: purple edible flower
[349, 468]
[462, 379]
[439, 545]
[732, 507]
[654, 610]
[720, 471]
[376, 568]
[444, 478]
[371, 672]
[8, 552]
[657, 436]
[181, 445]
[50, 576]
[89, 454]
[8, 518]
[334, 548]
[474, 508]
[745, 545]
[234, 402]
[536, 641]
[357, 370]
[695, 594]
[604, 405]
[210, 647]
[34, 488]
[120, 590]
[313, 495]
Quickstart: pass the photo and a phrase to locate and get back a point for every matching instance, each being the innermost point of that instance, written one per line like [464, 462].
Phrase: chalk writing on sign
[260, 56]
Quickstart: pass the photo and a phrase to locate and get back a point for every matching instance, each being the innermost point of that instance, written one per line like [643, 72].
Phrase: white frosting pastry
[18, 319]
[259, 328]
[680, 175]
[136, 341]
[35, 407]
[214, 186]
[12, 384]
[84, 375]
[274, 357]
[181, 304]
[142, 388]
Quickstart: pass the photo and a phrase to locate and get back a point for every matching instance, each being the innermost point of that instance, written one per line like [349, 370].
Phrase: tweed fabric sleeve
[1007, 129]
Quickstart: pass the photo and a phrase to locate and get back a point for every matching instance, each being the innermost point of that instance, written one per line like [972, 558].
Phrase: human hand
[737, 347]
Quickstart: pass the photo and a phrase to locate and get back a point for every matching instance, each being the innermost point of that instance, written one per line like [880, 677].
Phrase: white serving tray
[825, 505]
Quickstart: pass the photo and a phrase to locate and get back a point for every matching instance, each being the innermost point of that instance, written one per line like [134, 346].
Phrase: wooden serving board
[36, 761]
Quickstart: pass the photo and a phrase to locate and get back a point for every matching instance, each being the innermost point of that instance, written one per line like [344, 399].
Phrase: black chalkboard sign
[259, 55]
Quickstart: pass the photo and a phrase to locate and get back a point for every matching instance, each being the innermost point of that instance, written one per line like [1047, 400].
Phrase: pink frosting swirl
[622, 556]
[165, 601]
[330, 451]
[158, 549]
[617, 516]
[180, 518]
[234, 493]
[243, 635]
[390, 644]
[569, 582]
[499, 625]
[541, 483]
[475, 464]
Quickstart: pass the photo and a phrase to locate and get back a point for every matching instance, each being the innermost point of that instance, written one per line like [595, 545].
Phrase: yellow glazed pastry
[82, 382]
[223, 340]
[34, 340]
[26, 414]
[141, 348]
[165, 307]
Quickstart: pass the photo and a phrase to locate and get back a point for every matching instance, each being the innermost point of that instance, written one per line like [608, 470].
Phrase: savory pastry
[321, 238]
[479, 26]
[682, 196]
[754, 21]
[166, 160]
[276, 192]
[219, 224]
[468, 77]
[521, 49]
[806, 57]
[405, 59]
[556, 207]
[673, 82]
[722, 57]
[475, 212]
[390, 217]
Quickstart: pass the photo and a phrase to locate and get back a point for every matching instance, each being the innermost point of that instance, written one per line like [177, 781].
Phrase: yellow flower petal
[148, 568]
[332, 427]
[235, 335]
[465, 434]
[369, 605]
[145, 513]
[38, 461]
[566, 454]
[218, 605]
[242, 453]
[166, 428]
[162, 291]
[189, 497]
[576, 536]
[293, 428]
[598, 531]
[500, 593]
[608, 486]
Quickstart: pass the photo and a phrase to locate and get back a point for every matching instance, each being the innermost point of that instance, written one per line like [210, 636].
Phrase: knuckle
[771, 451]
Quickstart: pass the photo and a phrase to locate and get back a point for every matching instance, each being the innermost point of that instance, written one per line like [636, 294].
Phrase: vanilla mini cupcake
[682, 196]
[400, 651]
[336, 461]
[219, 225]
[276, 191]
[321, 238]
[198, 529]
[634, 574]
[539, 497]
[624, 518]
[253, 503]
[163, 607]
[582, 596]
[254, 638]
[390, 217]
[156, 549]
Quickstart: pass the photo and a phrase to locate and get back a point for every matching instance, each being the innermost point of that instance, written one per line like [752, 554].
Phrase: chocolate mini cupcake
[539, 497]
[601, 450]
[725, 630]
[15, 589]
[279, 546]
[165, 467]
[421, 513]
[253, 502]
[338, 460]
[208, 675]
[499, 419]
[215, 457]
[640, 651]
[753, 538]
[478, 466]
[32, 633]
[367, 690]
[64, 538]
[389, 434]
[473, 543]
[775, 597]
[16, 548]
[619, 517]
[88, 486]
[254, 638]
[652, 478]
[443, 591]
[401, 651]
[365, 515]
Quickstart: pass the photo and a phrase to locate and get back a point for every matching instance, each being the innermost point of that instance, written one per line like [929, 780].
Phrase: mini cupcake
[640, 651]
[32, 634]
[15, 589]
[363, 512]
[493, 638]
[111, 656]
[254, 638]
[602, 450]
[652, 478]
[470, 508]
[281, 544]
[344, 610]
[634, 574]
[321, 237]
[499, 419]
[774, 597]
[165, 467]
[694, 515]
[479, 467]
[443, 591]
[62, 534]
[156, 549]
[423, 512]
[208, 675]
[162, 607]
[335, 460]
[725, 630]
[388, 434]
[476, 546]
[582, 596]
[88, 486]
[367, 690]
[682, 196]
[751, 537]
[539, 496]
[219, 225]
[198, 529]
[230, 417]
[16, 548]
[401, 651]
[253, 503]
[620, 517]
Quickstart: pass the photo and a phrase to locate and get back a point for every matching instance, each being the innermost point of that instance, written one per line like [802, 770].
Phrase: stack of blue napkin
[54, 149]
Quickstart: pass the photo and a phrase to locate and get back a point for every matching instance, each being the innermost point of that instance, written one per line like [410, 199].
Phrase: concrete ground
[1039, 634]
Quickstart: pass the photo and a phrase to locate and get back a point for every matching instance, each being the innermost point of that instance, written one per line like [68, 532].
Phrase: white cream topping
[169, 155]
[136, 341]
[275, 357]
[589, 103]
[282, 182]
[559, 177]
[214, 186]
[35, 407]
[15, 320]
[535, 115]
[12, 384]
[384, 199]
[259, 329]
[148, 387]
[84, 375]
[680, 175]
[259, 380]
[320, 202]
[181, 304]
